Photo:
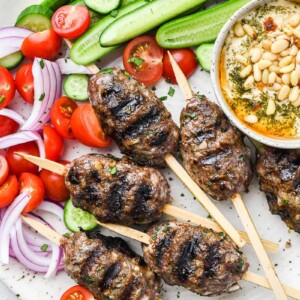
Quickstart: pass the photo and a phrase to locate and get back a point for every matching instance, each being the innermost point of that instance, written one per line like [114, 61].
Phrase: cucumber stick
[54, 4]
[204, 55]
[87, 48]
[144, 19]
[12, 60]
[202, 27]
[103, 6]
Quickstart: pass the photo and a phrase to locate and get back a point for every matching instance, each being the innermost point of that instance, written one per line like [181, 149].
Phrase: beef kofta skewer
[93, 188]
[222, 150]
[202, 252]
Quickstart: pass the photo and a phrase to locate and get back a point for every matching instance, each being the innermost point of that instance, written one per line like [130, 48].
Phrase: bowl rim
[284, 143]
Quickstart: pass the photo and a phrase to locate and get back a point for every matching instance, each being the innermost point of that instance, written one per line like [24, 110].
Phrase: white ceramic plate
[30, 286]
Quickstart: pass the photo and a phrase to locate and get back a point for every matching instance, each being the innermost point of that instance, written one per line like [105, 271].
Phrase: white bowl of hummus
[256, 71]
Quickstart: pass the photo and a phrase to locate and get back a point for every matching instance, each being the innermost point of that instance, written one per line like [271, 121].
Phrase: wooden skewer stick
[239, 205]
[192, 186]
[142, 237]
[168, 209]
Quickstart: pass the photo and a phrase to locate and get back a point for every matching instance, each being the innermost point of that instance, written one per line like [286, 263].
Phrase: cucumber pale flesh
[103, 6]
[204, 55]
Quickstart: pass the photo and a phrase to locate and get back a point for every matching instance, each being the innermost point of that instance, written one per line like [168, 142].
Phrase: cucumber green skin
[12, 60]
[87, 221]
[103, 7]
[87, 49]
[199, 28]
[126, 2]
[76, 87]
[204, 55]
[144, 19]
[54, 4]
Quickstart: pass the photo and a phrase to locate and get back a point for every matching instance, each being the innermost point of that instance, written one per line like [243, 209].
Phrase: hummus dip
[260, 69]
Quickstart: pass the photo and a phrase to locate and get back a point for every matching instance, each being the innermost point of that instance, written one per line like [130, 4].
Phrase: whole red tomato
[7, 87]
[24, 83]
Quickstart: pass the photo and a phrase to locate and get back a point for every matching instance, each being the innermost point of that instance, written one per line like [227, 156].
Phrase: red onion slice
[15, 31]
[55, 261]
[12, 115]
[67, 66]
[9, 45]
[52, 208]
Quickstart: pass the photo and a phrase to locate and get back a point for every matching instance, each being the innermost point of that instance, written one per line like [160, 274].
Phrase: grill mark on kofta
[111, 273]
[116, 199]
[73, 176]
[143, 194]
[160, 138]
[212, 259]
[163, 245]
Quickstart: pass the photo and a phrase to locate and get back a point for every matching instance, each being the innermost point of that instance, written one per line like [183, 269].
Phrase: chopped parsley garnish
[154, 236]
[192, 115]
[107, 71]
[114, 13]
[171, 91]
[221, 234]
[2, 98]
[44, 247]
[285, 201]
[153, 88]
[166, 229]
[182, 194]
[113, 170]
[42, 64]
[163, 98]
[240, 263]
[137, 61]
[42, 97]
[168, 80]
[67, 235]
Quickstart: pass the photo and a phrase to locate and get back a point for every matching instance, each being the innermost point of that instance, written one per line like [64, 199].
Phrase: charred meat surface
[213, 151]
[116, 190]
[194, 257]
[108, 267]
[134, 117]
[279, 177]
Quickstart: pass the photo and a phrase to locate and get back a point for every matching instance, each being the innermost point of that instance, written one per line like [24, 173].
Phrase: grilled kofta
[279, 177]
[108, 267]
[213, 151]
[116, 190]
[197, 258]
[134, 117]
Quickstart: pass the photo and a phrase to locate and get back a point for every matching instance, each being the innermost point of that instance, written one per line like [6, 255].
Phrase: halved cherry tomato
[3, 169]
[185, 58]
[71, 21]
[54, 143]
[142, 58]
[8, 126]
[60, 115]
[77, 292]
[45, 44]
[33, 185]
[17, 164]
[24, 83]
[54, 184]
[7, 87]
[87, 128]
[8, 191]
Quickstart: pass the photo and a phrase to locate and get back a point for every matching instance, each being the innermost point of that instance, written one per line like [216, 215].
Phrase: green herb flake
[114, 13]
[137, 61]
[156, 228]
[153, 88]
[171, 92]
[42, 97]
[182, 195]
[285, 201]
[166, 229]
[221, 234]
[113, 170]
[154, 236]
[192, 115]
[106, 71]
[67, 235]
[240, 263]
[2, 98]
[42, 64]
[66, 61]
[168, 80]
[44, 247]
[163, 98]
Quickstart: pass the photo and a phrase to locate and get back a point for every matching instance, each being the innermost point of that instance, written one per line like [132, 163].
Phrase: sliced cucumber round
[204, 55]
[35, 17]
[103, 7]
[76, 87]
[76, 218]
[12, 60]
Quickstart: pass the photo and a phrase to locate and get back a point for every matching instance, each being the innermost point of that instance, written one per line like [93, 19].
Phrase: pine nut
[286, 61]
[294, 94]
[263, 64]
[298, 58]
[275, 87]
[278, 80]
[284, 53]
[250, 31]
[266, 44]
[271, 108]
[272, 78]
[255, 55]
[288, 69]
[296, 103]
[294, 20]
[241, 59]
[257, 73]
[246, 71]
[238, 29]
[298, 70]
[265, 76]
[296, 32]
[269, 56]
[294, 78]
[275, 69]
[283, 37]
[294, 50]
[284, 92]
[286, 79]
[248, 84]
[251, 119]
[279, 46]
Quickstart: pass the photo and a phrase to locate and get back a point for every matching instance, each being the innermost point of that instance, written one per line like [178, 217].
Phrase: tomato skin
[7, 87]
[3, 169]
[60, 115]
[8, 191]
[8, 126]
[45, 44]
[71, 21]
[55, 187]
[17, 164]
[24, 83]
[87, 129]
[185, 58]
[77, 292]
[54, 143]
[147, 49]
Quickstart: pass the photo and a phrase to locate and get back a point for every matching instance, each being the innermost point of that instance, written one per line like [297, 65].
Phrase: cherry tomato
[8, 126]
[71, 21]
[54, 143]
[3, 169]
[33, 185]
[45, 44]
[142, 58]
[17, 164]
[7, 87]
[24, 83]
[87, 129]
[60, 115]
[8, 191]
[77, 292]
[186, 60]
[55, 186]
